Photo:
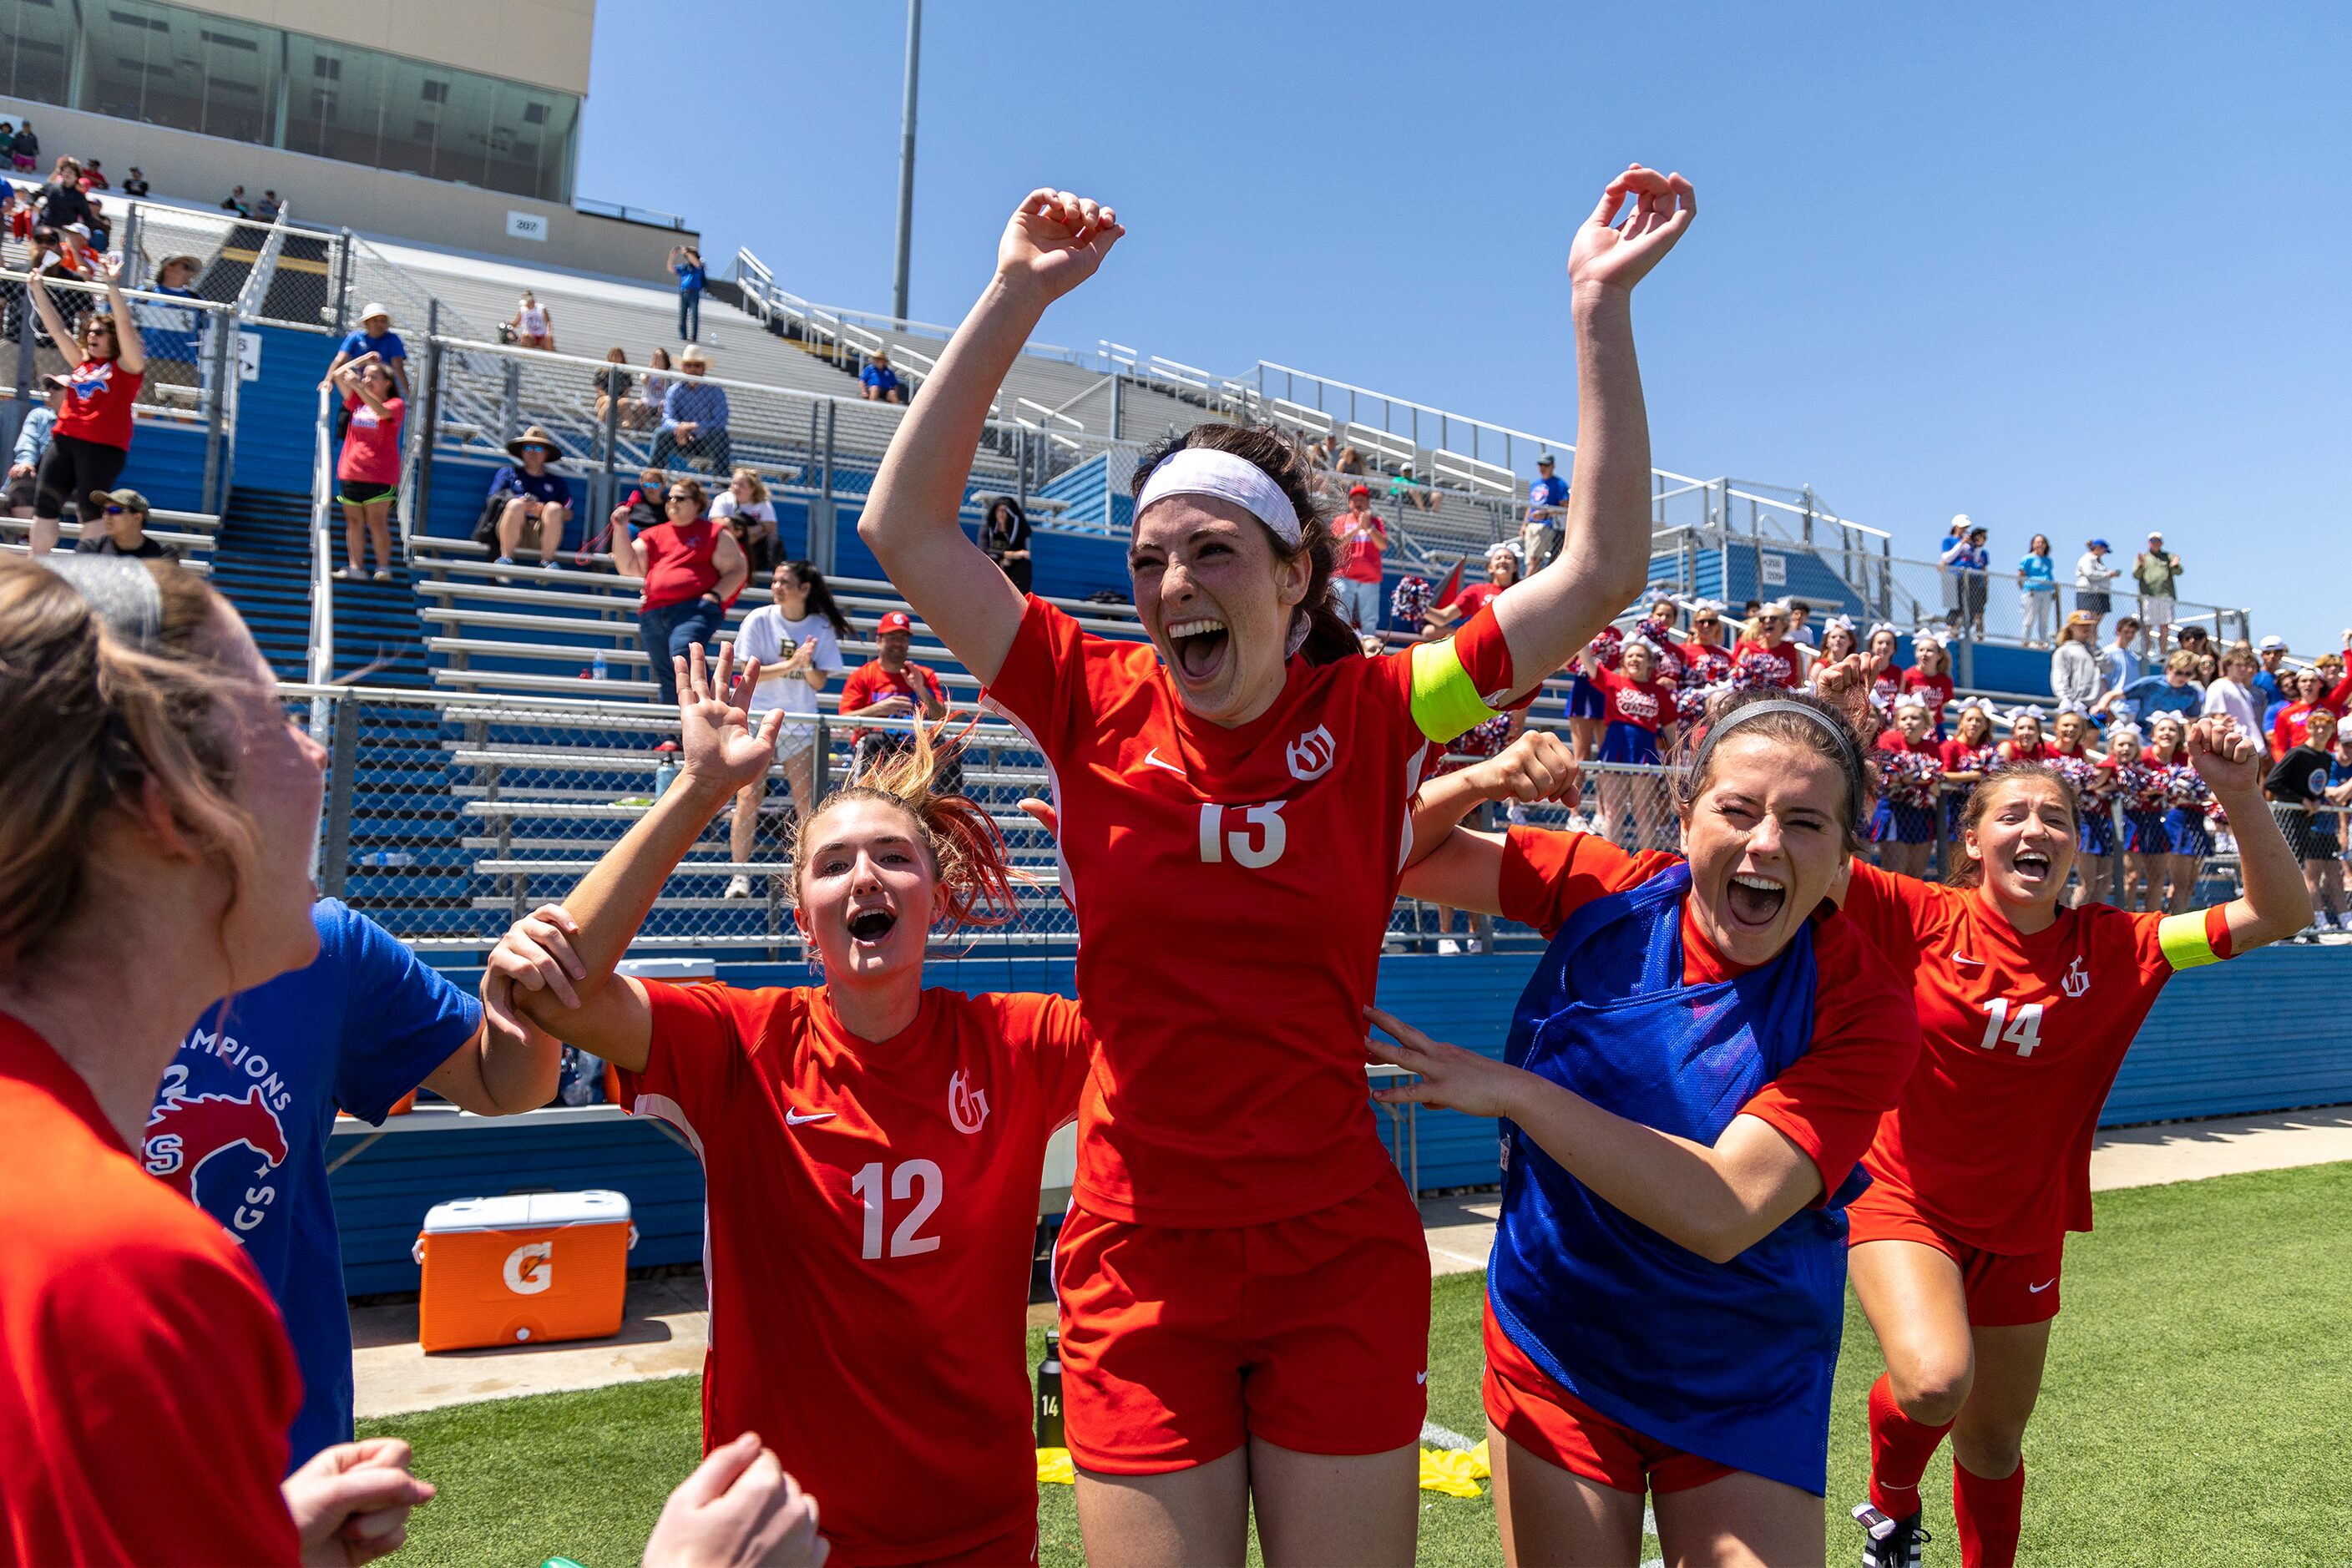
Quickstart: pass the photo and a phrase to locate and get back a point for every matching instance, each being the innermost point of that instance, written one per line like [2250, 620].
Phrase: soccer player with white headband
[1245, 1288]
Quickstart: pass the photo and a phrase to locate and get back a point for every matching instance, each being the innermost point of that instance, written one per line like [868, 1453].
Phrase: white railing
[322, 553]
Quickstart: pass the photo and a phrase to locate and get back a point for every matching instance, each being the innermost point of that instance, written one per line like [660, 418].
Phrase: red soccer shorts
[1526, 1404]
[2004, 1289]
[1310, 1332]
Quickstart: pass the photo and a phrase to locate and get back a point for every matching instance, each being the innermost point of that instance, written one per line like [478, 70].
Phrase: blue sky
[2075, 270]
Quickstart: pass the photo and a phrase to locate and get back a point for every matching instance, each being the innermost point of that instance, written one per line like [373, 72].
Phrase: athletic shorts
[2144, 832]
[1526, 1404]
[1586, 701]
[2004, 1289]
[1626, 743]
[2097, 835]
[1179, 1344]
[2185, 828]
[793, 736]
[359, 492]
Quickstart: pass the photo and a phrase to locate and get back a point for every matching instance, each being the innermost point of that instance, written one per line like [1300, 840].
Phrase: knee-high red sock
[1989, 1514]
[1900, 1448]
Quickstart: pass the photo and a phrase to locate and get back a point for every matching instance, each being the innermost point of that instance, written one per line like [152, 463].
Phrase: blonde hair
[92, 723]
[968, 856]
[759, 491]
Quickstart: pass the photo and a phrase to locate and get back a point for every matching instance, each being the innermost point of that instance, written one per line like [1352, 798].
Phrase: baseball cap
[1360, 490]
[2273, 642]
[129, 500]
[1547, 461]
[893, 621]
[2096, 544]
[2154, 537]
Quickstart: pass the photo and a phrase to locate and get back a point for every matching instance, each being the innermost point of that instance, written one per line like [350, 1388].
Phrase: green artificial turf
[2192, 1414]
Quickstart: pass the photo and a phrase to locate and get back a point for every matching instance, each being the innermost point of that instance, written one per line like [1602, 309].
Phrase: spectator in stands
[1502, 570]
[98, 233]
[2233, 696]
[686, 265]
[1005, 534]
[235, 202]
[1930, 676]
[93, 178]
[24, 148]
[691, 571]
[124, 516]
[889, 687]
[91, 439]
[1408, 489]
[652, 390]
[1955, 540]
[2156, 572]
[2270, 680]
[694, 420]
[533, 324]
[1801, 623]
[136, 186]
[743, 505]
[2312, 692]
[173, 334]
[267, 209]
[1325, 452]
[2037, 592]
[880, 382]
[63, 203]
[32, 443]
[1350, 462]
[373, 336]
[797, 639]
[2298, 786]
[2074, 674]
[2119, 661]
[613, 384]
[2174, 691]
[367, 474]
[535, 501]
[1970, 562]
[1539, 536]
[1362, 538]
[2092, 577]
[1838, 645]
[646, 506]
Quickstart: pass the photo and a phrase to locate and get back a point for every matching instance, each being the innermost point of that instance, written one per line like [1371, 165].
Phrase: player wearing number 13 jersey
[2025, 1012]
[872, 1150]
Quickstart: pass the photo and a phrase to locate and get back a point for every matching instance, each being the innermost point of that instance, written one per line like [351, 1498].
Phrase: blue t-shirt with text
[387, 348]
[1550, 491]
[242, 1119]
[544, 486]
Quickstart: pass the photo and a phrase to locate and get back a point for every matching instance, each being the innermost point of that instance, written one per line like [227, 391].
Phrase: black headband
[1829, 726]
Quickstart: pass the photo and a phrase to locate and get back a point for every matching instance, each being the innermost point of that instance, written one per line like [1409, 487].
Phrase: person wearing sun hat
[536, 501]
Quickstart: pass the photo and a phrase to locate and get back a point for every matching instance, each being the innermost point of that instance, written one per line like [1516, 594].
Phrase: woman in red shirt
[1639, 710]
[1705, 661]
[692, 569]
[1910, 767]
[1968, 756]
[1245, 1288]
[2311, 690]
[1886, 675]
[91, 439]
[2026, 1009]
[873, 1149]
[2025, 743]
[1931, 678]
[368, 473]
[1767, 657]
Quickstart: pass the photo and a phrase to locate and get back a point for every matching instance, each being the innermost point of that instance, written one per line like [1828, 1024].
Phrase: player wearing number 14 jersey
[2025, 1012]
[872, 1149]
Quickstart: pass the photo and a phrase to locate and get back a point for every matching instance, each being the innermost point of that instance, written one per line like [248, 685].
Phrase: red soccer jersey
[869, 683]
[99, 397]
[1649, 704]
[870, 1217]
[1231, 889]
[146, 1386]
[1935, 690]
[2023, 1035]
[1769, 666]
[1864, 1043]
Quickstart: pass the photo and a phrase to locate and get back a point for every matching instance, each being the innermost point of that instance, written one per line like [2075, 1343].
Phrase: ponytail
[968, 855]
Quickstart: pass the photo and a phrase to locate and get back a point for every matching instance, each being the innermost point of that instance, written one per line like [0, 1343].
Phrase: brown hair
[1966, 872]
[968, 856]
[91, 721]
[685, 482]
[1851, 760]
[1290, 465]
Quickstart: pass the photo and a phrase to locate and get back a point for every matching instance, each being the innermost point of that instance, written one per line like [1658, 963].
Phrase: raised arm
[53, 324]
[1604, 552]
[1053, 243]
[2276, 904]
[129, 352]
[1537, 766]
[352, 378]
[720, 752]
[1717, 1200]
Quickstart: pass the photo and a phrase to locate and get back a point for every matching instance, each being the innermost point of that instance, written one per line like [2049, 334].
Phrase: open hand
[1614, 255]
[1055, 241]
[1450, 1077]
[1537, 766]
[351, 1502]
[718, 744]
[2225, 756]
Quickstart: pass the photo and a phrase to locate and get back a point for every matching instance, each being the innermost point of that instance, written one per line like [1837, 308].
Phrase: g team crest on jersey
[2077, 980]
[967, 1107]
[1311, 755]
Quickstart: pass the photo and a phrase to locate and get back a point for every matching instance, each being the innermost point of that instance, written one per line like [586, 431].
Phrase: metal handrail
[322, 583]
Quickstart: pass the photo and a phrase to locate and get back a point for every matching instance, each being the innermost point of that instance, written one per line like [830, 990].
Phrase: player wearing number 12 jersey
[1244, 1282]
[872, 1149]
[2025, 1012]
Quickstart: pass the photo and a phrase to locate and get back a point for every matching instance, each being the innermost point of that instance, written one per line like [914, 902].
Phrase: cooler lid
[528, 1211]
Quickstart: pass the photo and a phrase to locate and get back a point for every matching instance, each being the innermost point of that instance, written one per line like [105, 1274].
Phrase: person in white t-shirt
[803, 618]
[744, 507]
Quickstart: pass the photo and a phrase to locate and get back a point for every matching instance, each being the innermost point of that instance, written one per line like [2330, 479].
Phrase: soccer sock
[1988, 1515]
[1900, 1448]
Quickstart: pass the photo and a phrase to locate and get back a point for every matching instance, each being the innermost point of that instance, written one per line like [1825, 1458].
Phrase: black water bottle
[1049, 1393]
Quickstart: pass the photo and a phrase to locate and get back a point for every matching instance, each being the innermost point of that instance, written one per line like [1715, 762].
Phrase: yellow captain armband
[2186, 940]
[1445, 701]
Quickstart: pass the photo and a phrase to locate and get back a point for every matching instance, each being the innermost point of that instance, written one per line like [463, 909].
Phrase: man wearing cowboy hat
[537, 501]
[171, 334]
[2156, 572]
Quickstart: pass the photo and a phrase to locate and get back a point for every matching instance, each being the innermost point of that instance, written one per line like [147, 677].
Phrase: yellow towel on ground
[1456, 1472]
[1054, 1469]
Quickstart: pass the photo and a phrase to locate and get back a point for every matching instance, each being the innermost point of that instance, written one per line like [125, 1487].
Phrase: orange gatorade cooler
[525, 1267]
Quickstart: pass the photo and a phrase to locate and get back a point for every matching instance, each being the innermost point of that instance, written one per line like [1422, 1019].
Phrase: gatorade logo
[531, 1268]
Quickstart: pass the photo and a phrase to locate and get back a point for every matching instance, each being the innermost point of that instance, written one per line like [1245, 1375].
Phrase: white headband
[2028, 712]
[1205, 471]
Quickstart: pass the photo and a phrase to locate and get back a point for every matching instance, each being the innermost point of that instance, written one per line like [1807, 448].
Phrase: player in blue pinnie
[1691, 1078]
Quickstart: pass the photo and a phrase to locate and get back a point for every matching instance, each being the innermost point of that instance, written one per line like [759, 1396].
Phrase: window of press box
[165, 65]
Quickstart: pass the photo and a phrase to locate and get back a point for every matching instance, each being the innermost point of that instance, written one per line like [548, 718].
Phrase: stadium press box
[523, 1269]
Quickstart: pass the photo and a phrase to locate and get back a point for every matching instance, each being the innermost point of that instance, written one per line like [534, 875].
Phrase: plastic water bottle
[596, 671]
[1049, 1393]
[662, 775]
[388, 858]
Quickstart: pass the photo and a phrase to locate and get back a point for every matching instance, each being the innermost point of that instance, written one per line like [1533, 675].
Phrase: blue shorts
[2097, 833]
[1896, 823]
[1955, 804]
[2144, 832]
[2187, 829]
[1584, 699]
[1624, 742]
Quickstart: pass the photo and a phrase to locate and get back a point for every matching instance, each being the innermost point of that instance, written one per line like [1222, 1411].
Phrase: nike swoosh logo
[1151, 758]
[1420, 1377]
[795, 1119]
[2037, 1290]
[1959, 957]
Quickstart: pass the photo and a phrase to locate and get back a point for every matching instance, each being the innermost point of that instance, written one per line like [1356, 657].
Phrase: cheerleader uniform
[2184, 820]
[1704, 664]
[1584, 698]
[2094, 833]
[1935, 690]
[1962, 758]
[1909, 772]
[2142, 790]
[1635, 709]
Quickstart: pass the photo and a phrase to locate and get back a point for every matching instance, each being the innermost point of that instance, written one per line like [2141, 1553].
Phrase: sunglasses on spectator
[116, 510]
[1771, 620]
[674, 499]
[1706, 620]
